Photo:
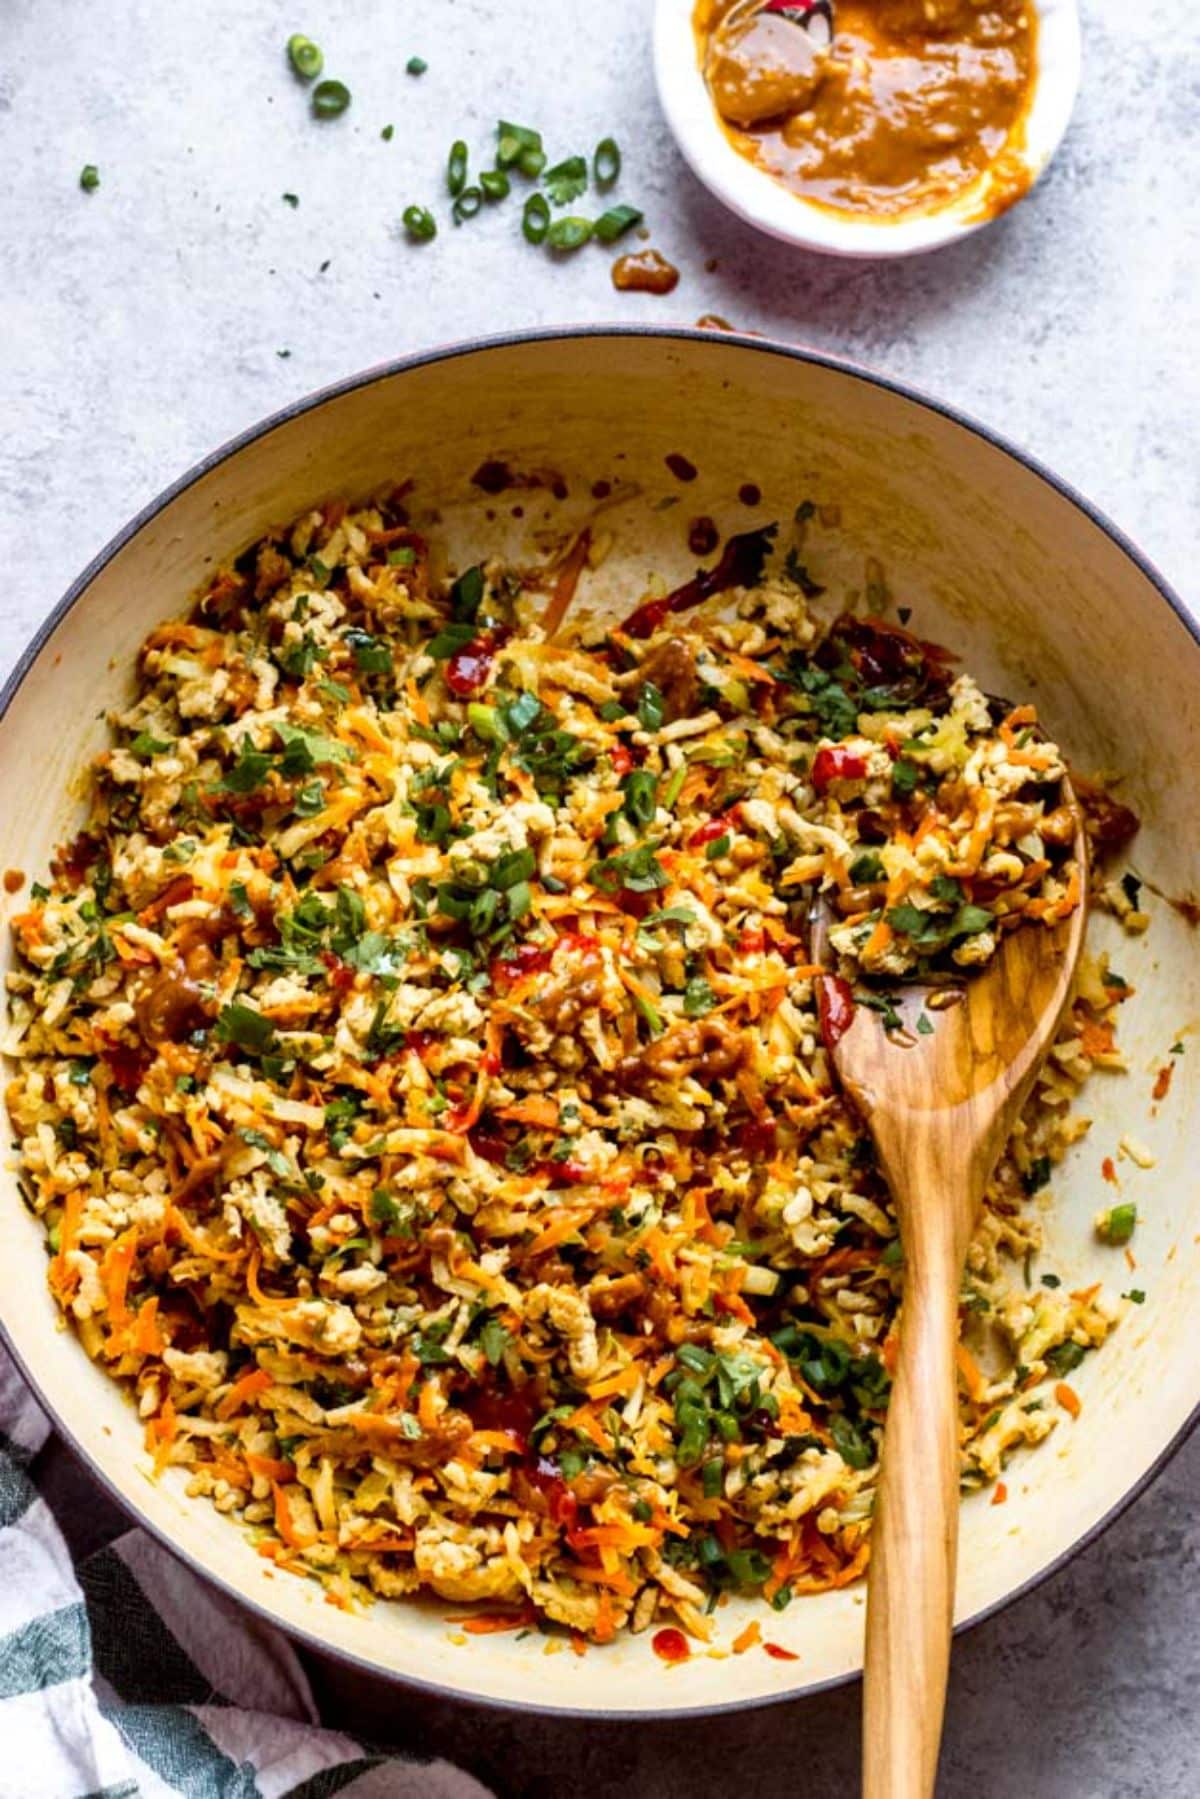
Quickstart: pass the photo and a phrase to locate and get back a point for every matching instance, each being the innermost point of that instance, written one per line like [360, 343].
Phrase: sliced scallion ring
[606, 162]
[570, 233]
[330, 99]
[456, 167]
[535, 218]
[467, 204]
[305, 56]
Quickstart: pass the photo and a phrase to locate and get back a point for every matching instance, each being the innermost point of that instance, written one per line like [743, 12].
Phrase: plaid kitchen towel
[129, 1677]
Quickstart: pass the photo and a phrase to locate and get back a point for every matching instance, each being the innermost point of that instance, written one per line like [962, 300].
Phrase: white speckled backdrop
[145, 322]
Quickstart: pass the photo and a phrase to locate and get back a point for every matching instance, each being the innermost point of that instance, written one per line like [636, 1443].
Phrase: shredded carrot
[746, 1639]
[428, 1405]
[482, 1624]
[416, 700]
[62, 1277]
[972, 1375]
[283, 1520]
[271, 1468]
[247, 1387]
[1000, 1494]
[624, 1381]
[255, 1291]
[114, 1273]
[1068, 1399]
[147, 1337]
[1096, 1037]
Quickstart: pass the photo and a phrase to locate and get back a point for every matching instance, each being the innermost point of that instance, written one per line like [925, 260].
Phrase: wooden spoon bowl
[940, 1096]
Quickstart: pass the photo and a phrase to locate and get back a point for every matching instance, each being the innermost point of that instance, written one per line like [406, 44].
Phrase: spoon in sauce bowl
[766, 59]
[940, 1092]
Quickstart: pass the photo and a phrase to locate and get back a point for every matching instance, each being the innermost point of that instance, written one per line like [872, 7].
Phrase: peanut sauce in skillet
[913, 103]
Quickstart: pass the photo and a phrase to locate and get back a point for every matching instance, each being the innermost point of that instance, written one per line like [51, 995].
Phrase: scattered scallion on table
[416, 65]
[330, 99]
[305, 56]
[420, 223]
[89, 178]
[456, 167]
[606, 162]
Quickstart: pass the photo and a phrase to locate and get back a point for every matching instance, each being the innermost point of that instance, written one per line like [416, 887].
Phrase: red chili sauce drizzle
[740, 565]
[670, 1645]
[835, 1007]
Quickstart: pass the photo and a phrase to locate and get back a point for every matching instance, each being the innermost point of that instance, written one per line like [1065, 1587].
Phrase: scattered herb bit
[1036, 1175]
[651, 707]
[1117, 1225]
[698, 998]
[89, 178]
[570, 233]
[456, 167]
[867, 869]
[245, 1026]
[419, 223]
[925, 1025]
[606, 162]
[144, 746]
[566, 180]
[292, 200]
[494, 1339]
[717, 848]
[1136, 1295]
[615, 223]
[1064, 1358]
[1051, 1281]
[517, 144]
[905, 773]
[330, 99]
[416, 65]
[305, 57]
[535, 220]
[879, 1002]
[388, 133]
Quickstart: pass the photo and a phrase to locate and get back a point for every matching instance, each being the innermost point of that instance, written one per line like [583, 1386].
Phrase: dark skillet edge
[309, 403]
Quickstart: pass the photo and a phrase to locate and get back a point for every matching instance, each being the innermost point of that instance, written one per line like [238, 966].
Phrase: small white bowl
[762, 201]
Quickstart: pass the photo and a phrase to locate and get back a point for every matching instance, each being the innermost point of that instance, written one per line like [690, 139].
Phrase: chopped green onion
[495, 184]
[330, 99]
[535, 218]
[305, 57]
[416, 65]
[388, 133]
[1117, 1226]
[89, 178]
[672, 790]
[717, 848]
[616, 222]
[518, 144]
[570, 233]
[420, 223]
[606, 162]
[467, 204]
[456, 167]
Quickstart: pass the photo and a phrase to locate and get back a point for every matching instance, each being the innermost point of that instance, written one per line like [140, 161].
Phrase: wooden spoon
[940, 1102]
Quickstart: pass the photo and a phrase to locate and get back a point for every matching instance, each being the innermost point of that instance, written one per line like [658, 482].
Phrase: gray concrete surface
[143, 323]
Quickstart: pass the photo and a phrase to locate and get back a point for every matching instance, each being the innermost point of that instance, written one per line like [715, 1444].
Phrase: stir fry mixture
[423, 1080]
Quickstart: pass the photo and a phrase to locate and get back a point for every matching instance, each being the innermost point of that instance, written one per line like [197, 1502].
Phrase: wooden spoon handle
[914, 1536]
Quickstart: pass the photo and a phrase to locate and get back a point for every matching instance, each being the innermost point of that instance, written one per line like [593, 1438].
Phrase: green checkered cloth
[127, 1676]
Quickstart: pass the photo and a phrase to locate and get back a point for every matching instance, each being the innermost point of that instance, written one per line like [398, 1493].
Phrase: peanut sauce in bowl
[910, 124]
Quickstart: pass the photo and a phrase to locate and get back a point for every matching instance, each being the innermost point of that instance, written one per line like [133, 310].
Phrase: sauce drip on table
[913, 102]
[645, 272]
